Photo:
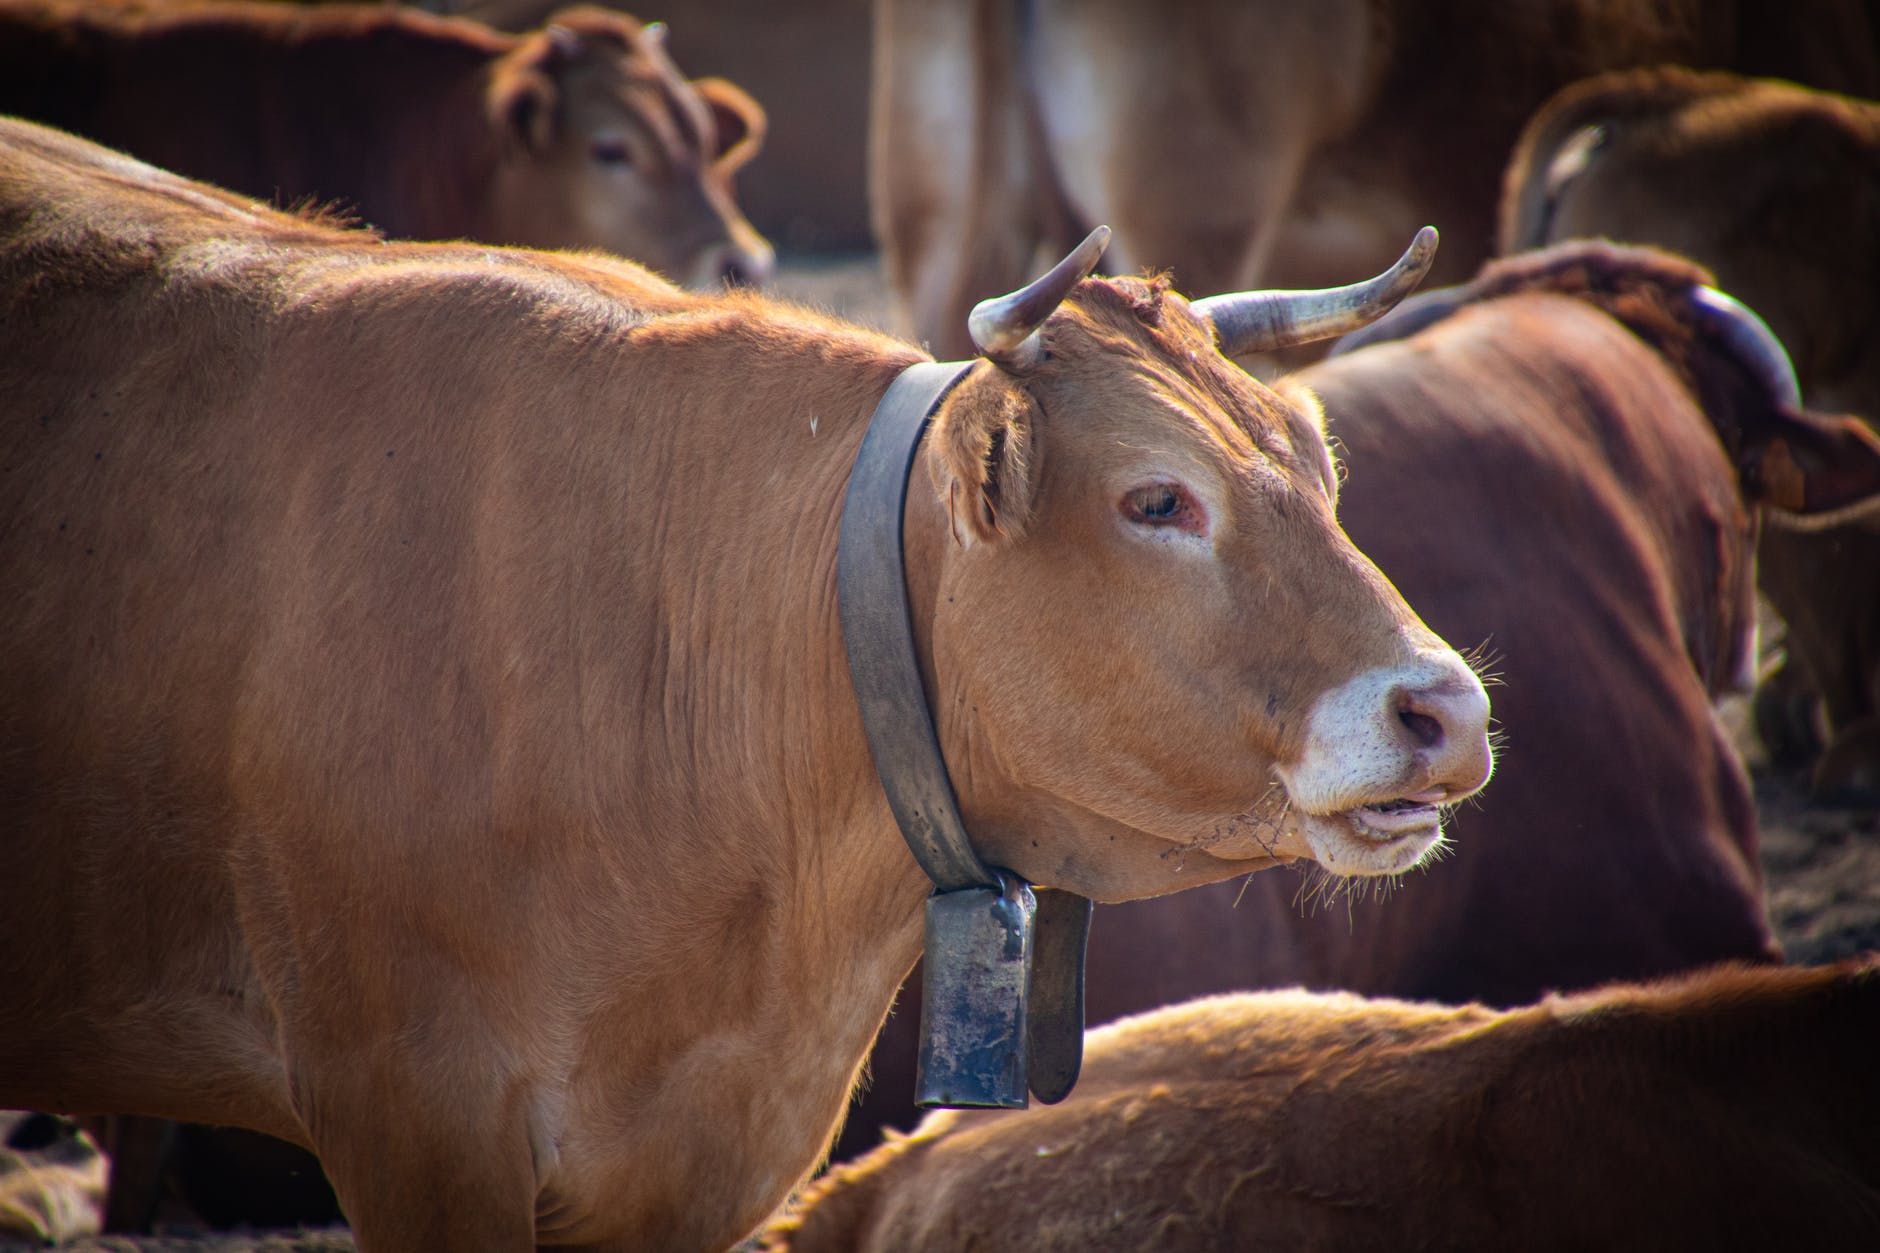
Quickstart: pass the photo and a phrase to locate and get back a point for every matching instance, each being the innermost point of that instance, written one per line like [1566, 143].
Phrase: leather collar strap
[1002, 1009]
[878, 632]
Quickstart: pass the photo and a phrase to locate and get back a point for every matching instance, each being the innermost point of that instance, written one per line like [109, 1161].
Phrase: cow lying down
[1734, 1108]
[581, 135]
[425, 728]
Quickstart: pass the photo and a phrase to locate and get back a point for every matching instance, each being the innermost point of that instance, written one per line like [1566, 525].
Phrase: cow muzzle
[733, 264]
[1385, 752]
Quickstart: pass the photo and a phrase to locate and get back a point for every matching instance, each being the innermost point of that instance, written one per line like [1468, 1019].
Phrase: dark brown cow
[1542, 472]
[425, 734]
[580, 135]
[1777, 189]
[1268, 141]
[1732, 1109]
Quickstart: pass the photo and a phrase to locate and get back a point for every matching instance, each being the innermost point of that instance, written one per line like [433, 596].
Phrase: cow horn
[1750, 341]
[1005, 328]
[1262, 321]
[1416, 314]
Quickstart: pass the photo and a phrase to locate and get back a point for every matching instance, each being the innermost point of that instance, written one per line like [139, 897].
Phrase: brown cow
[580, 135]
[1269, 142]
[1542, 473]
[1731, 1109]
[808, 62]
[427, 733]
[1777, 189]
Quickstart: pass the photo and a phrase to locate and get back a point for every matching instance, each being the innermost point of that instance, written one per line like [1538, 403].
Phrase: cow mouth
[1379, 838]
[1394, 819]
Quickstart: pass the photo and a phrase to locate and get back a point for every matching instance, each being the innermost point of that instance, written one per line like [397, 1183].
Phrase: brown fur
[1777, 189]
[1549, 485]
[426, 731]
[1247, 145]
[1731, 1109]
[424, 127]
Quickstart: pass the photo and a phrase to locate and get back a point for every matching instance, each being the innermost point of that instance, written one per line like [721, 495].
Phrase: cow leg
[1849, 771]
[1826, 586]
[954, 206]
[418, 1169]
[1785, 709]
[139, 1150]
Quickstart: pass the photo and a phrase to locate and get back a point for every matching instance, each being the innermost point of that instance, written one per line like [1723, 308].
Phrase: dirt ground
[1822, 867]
[1822, 864]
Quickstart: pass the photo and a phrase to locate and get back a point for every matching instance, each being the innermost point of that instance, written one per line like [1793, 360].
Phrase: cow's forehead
[639, 87]
[1123, 338]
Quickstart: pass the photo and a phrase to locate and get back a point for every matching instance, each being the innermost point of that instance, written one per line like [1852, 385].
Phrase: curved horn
[1005, 328]
[1417, 312]
[1750, 341]
[1264, 320]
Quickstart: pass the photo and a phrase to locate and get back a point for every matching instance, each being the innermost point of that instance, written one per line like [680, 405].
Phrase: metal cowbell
[974, 988]
[1054, 1030]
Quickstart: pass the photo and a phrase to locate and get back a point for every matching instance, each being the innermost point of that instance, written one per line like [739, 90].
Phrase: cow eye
[1163, 505]
[609, 150]
[1156, 504]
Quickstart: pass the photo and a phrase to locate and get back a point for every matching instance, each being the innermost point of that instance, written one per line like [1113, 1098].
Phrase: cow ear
[521, 100]
[739, 120]
[984, 459]
[1816, 471]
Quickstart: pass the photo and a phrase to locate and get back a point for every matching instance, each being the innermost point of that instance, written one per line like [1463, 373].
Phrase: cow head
[1156, 658]
[606, 145]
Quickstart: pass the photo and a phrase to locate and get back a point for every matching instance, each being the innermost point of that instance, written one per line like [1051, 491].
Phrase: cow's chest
[695, 1143]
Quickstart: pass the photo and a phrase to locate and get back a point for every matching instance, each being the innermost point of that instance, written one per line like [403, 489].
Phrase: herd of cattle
[425, 729]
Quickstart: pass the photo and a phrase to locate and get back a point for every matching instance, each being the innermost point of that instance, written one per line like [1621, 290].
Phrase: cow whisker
[1485, 660]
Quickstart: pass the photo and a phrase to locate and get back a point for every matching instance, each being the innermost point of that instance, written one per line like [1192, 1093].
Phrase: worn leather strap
[1044, 1047]
[878, 631]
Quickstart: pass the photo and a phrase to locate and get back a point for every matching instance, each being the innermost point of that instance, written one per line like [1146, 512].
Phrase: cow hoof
[1787, 713]
[1849, 771]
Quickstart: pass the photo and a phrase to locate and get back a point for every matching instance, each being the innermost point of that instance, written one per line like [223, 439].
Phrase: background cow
[1777, 189]
[1241, 143]
[1543, 472]
[428, 732]
[1732, 1109]
[580, 135]
[808, 62]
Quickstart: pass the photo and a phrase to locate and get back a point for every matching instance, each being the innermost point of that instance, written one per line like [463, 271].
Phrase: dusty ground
[1822, 864]
[1823, 871]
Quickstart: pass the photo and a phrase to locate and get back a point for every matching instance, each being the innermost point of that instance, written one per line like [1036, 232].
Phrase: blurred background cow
[581, 134]
[1262, 143]
[1778, 190]
[1570, 423]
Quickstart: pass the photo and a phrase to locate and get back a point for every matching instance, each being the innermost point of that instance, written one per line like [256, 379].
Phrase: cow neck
[1002, 1009]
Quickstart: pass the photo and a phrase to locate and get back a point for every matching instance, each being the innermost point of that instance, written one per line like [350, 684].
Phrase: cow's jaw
[1384, 753]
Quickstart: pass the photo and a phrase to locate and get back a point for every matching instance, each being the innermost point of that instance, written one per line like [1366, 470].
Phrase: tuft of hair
[332, 214]
[1138, 297]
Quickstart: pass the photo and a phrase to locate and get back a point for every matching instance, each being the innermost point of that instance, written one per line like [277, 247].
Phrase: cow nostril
[1425, 730]
[736, 274]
